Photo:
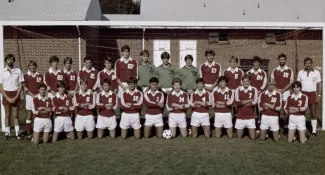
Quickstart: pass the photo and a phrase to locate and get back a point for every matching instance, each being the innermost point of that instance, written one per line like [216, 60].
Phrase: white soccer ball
[167, 134]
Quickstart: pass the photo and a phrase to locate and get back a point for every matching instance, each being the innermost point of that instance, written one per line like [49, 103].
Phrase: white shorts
[63, 124]
[241, 124]
[154, 120]
[86, 122]
[200, 119]
[130, 120]
[120, 90]
[50, 95]
[285, 95]
[106, 122]
[165, 90]
[297, 122]
[42, 125]
[270, 122]
[177, 119]
[223, 120]
[29, 102]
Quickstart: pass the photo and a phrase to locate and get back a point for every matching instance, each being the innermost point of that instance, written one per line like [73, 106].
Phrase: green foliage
[120, 7]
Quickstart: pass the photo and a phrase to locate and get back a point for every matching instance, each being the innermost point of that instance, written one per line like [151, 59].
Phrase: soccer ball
[167, 134]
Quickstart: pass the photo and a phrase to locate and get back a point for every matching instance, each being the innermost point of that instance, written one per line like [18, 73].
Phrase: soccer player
[269, 104]
[42, 109]
[63, 110]
[200, 102]
[85, 102]
[177, 103]
[131, 105]
[312, 87]
[189, 74]
[154, 101]
[146, 71]
[11, 84]
[223, 99]
[108, 73]
[296, 107]
[70, 76]
[233, 73]
[246, 99]
[210, 71]
[257, 76]
[125, 67]
[89, 73]
[32, 80]
[106, 103]
[52, 76]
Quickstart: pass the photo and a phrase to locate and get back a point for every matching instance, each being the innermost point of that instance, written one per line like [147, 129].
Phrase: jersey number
[181, 99]
[72, 78]
[250, 95]
[214, 70]
[259, 77]
[273, 100]
[157, 99]
[67, 102]
[236, 76]
[227, 96]
[39, 79]
[47, 104]
[130, 66]
[110, 100]
[60, 77]
[299, 103]
[87, 99]
[135, 98]
[203, 99]
[285, 74]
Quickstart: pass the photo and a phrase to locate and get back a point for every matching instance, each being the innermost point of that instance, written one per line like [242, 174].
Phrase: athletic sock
[28, 126]
[17, 130]
[314, 125]
[8, 130]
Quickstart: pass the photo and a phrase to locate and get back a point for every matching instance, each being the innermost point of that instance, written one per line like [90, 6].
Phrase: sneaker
[7, 135]
[314, 134]
[19, 135]
[29, 136]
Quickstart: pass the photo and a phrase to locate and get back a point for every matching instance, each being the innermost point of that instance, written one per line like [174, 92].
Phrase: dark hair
[144, 53]
[282, 55]
[125, 47]
[132, 80]
[67, 59]
[296, 84]
[308, 59]
[223, 78]
[61, 84]
[190, 57]
[83, 80]
[10, 56]
[154, 80]
[165, 55]
[88, 58]
[270, 80]
[32, 63]
[108, 59]
[177, 80]
[54, 58]
[209, 51]
[107, 81]
[42, 85]
[257, 58]
[234, 58]
[245, 76]
[199, 80]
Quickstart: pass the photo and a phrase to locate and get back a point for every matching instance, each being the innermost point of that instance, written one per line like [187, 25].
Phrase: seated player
[84, 101]
[42, 109]
[246, 99]
[154, 101]
[223, 99]
[63, 112]
[200, 102]
[269, 104]
[131, 105]
[295, 107]
[177, 103]
[106, 103]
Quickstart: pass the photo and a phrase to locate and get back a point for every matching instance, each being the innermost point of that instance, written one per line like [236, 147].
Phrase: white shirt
[309, 83]
[10, 79]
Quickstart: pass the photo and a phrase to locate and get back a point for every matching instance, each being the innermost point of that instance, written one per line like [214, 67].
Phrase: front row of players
[223, 101]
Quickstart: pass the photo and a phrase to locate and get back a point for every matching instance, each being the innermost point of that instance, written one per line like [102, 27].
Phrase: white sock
[7, 129]
[314, 125]
[17, 130]
[28, 121]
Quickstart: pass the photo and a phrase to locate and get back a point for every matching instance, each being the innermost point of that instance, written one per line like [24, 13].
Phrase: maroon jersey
[135, 98]
[125, 69]
[151, 100]
[32, 81]
[299, 101]
[246, 112]
[181, 99]
[109, 75]
[203, 96]
[234, 77]
[102, 100]
[90, 76]
[210, 73]
[41, 102]
[51, 79]
[63, 101]
[273, 98]
[71, 78]
[282, 77]
[258, 79]
[227, 97]
[81, 98]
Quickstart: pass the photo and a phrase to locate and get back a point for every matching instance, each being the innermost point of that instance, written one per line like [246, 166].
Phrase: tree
[120, 6]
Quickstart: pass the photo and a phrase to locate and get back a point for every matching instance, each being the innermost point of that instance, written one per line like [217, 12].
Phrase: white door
[187, 47]
[160, 46]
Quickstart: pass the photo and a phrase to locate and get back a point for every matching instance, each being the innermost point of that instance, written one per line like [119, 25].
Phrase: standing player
[108, 73]
[131, 105]
[52, 76]
[89, 73]
[223, 99]
[11, 85]
[146, 71]
[32, 80]
[312, 87]
[189, 74]
[106, 103]
[246, 99]
[234, 74]
[177, 104]
[210, 71]
[200, 102]
[154, 101]
[257, 76]
[70, 76]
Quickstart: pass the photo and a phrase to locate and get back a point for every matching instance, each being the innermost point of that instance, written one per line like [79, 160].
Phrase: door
[160, 46]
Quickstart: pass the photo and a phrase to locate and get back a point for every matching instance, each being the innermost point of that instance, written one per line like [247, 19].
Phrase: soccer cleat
[29, 137]
[7, 135]
[314, 134]
[18, 135]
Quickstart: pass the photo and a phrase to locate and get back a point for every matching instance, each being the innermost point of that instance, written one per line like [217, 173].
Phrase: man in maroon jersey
[108, 73]
[233, 73]
[246, 98]
[52, 76]
[210, 71]
[154, 101]
[131, 105]
[257, 76]
[89, 73]
[200, 102]
[125, 67]
[70, 76]
[269, 104]
[32, 80]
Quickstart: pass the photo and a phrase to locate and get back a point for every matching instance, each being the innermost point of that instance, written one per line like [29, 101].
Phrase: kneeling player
[131, 105]
[154, 101]
[42, 109]
[270, 103]
[200, 101]
[106, 103]
[177, 103]
[84, 101]
[223, 99]
[295, 107]
[63, 111]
